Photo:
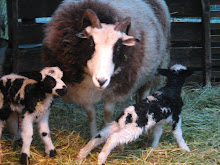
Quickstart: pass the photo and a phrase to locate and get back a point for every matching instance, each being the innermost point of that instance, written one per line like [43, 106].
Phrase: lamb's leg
[2, 123]
[26, 134]
[157, 132]
[177, 133]
[125, 135]
[44, 132]
[98, 139]
[13, 126]
[108, 111]
[90, 109]
[1, 128]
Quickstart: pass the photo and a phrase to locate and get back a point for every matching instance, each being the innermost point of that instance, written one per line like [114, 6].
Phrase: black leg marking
[53, 153]
[44, 134]
[98, 136]
[25, 159]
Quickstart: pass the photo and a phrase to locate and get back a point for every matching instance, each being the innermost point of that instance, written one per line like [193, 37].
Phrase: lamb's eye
[51, 71]
[91, 42]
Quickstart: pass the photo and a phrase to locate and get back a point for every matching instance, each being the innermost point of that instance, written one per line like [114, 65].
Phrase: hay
[70, 132]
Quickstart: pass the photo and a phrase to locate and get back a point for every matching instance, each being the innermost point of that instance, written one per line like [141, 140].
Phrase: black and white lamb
[32, 99]
[164, 106]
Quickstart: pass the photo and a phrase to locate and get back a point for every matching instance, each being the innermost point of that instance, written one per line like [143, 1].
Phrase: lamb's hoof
[25, 159]
[53, 153]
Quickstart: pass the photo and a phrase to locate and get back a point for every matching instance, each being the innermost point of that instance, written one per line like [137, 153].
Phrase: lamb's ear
[33, 75]
[48, 84]
[187, 73]
[164, 72]
[83, 34]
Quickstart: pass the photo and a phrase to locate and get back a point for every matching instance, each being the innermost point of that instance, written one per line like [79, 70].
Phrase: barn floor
[70, 132]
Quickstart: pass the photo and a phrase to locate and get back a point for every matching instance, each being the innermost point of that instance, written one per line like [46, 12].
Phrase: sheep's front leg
[125, 135]
[98, 139]
[177, 133]
[44, 132]
[26, 135]
[108, 111]
[90, 109]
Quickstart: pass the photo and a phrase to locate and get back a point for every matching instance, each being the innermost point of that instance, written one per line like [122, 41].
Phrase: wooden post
[12, 9]
[206, 41]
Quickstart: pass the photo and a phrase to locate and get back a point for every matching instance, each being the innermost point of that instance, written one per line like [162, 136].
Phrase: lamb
[32, 100]
[164, 106]
[108, 49]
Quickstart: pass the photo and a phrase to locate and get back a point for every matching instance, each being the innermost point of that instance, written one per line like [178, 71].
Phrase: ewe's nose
[102, 82]
[62, 91]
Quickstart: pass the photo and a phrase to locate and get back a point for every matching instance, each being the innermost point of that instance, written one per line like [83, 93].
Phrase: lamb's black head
[176, 74]
[52, 81]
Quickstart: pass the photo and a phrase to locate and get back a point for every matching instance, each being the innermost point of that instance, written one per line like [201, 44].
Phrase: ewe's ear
[164, 72]
[129, 40]
[83, 34]
[48, 84]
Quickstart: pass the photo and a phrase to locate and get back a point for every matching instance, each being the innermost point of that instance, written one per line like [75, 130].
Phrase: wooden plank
[215, 62]
[191, 57]
[28, 9]
[12, 8]
[215, 44]
[216, 75]
[186, 8]
[28, 60]
[215, 31]
[215, 2]
[207, 41]
[215, 50]
[215, 25]
[186, 31]
[215, 14]
[215, 38]
[30, 33]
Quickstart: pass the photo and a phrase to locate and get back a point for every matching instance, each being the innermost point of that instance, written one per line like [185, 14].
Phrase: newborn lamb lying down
[164, 106]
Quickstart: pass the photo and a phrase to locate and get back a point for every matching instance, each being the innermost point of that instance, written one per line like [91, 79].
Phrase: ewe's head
[176, 74]
[51, 80]
[107, 40]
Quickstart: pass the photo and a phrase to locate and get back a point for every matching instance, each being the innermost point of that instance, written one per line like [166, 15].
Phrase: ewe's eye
[118, 48]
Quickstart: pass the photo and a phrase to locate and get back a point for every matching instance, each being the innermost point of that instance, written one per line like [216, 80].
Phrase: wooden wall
[188, 38]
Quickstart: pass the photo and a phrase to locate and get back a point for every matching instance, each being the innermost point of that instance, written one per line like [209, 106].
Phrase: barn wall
[186, 37]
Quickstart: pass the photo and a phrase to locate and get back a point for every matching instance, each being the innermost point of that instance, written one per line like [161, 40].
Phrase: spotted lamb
[32, 100]
[164, 106]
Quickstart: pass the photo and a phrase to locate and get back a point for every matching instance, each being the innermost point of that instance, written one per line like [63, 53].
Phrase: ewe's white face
[101, 66]
[53, 76]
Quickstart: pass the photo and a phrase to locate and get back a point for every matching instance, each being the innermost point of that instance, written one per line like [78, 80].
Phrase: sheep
[103, 55]
[31, 100]
[164, 106]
